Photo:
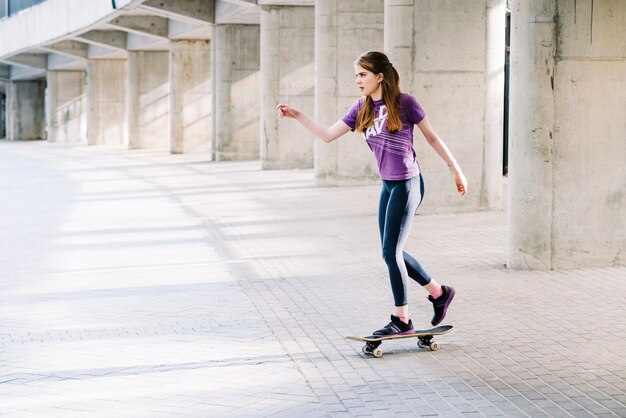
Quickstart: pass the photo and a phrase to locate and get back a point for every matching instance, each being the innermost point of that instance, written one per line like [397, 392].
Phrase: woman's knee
[390, 255]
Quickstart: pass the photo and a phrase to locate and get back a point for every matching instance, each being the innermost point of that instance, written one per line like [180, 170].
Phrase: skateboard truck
[424, 342]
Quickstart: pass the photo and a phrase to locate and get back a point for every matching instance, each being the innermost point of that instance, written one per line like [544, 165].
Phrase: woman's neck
[377, 95]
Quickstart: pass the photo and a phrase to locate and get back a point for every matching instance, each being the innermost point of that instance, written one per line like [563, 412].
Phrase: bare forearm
[325, 134]
[315, 128]
[444, 152]
[440, 147]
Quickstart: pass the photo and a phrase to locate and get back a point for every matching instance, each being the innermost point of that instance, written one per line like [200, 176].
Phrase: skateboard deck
[425, 336]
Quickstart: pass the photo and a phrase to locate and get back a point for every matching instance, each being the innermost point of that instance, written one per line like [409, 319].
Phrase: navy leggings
[398, 202]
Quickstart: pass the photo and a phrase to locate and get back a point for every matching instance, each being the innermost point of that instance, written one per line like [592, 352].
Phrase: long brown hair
[378, 63]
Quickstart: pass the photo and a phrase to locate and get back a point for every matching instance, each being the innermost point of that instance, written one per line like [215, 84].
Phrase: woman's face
[368, 83]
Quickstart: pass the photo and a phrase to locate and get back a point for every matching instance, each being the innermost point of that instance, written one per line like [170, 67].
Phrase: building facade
[198, 76]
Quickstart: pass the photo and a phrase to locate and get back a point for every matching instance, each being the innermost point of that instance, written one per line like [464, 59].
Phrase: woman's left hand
[461, 182]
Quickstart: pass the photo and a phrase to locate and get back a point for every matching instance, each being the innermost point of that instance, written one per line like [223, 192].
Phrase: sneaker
[440, 305]
[395, 327]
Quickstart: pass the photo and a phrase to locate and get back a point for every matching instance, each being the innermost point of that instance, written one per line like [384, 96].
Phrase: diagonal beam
[112, 39]
[153, 26]
[74, 49]
[38, 61]
[228, 12]
[19, 73]
[102, 52]
[179, 28]
[65, 62]
[5, 72]
[198, 11]
[145, 43]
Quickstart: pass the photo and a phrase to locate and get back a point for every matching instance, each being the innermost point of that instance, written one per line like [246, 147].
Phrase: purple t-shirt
[393, 150]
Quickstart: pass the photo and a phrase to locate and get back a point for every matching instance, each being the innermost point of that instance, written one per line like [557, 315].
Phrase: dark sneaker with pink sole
[440, 305]
[395, 327]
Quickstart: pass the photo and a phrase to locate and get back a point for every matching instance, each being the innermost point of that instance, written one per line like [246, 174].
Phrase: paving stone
[219, 289]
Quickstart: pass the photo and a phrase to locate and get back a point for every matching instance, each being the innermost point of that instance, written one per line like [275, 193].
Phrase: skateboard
[425, 336]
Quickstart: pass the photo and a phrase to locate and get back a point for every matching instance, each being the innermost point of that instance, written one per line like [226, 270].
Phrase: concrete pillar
[533, 43]
[147, 100]
[567, 154]
[190, 97]
[287, 76]
[67, 106]
[26, 110]
[457, 75]
[343, 30]
[237, 92]
[106, 91]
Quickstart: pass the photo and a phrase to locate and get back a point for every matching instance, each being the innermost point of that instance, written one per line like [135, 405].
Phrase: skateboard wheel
[369, 348]
[423, 342]
[373, 350]
[434, 346]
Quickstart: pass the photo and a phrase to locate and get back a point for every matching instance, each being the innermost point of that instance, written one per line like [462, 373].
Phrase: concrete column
[533, 43]
[190, 97]
[287, 75]
[533, 40]
[26, 110]
[567, 150]
[147, 100]
[106, 91]
[343, 30]
[457, 75]
[67, 106]
[399, 38]
[237, 92]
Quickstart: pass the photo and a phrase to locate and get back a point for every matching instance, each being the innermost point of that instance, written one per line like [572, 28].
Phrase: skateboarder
[386, 118]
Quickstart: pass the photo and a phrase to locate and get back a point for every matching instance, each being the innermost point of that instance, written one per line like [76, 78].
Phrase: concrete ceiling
[146, 26]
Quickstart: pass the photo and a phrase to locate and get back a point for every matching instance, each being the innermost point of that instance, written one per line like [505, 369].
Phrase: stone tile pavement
[142, 284]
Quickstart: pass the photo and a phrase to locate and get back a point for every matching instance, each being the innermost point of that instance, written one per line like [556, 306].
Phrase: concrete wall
[343, 30]
[590, 136]
[568, 130]
[26, 110]
[67, 106]
[287, 76]
[450, 56]
[237, 92]
[148, 101]
[190, 97]
[106, 86]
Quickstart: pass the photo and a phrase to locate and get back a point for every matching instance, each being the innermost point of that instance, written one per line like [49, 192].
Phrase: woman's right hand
[286, 111]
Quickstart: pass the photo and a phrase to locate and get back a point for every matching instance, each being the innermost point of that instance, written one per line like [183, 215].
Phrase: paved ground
[140, 284]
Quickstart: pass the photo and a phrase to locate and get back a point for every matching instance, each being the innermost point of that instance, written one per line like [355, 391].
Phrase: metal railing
[10, 7]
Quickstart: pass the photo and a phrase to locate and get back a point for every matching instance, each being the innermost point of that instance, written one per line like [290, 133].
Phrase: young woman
[386, 117]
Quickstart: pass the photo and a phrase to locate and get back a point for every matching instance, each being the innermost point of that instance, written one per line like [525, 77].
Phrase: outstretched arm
[440, 147]
[327, 135]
